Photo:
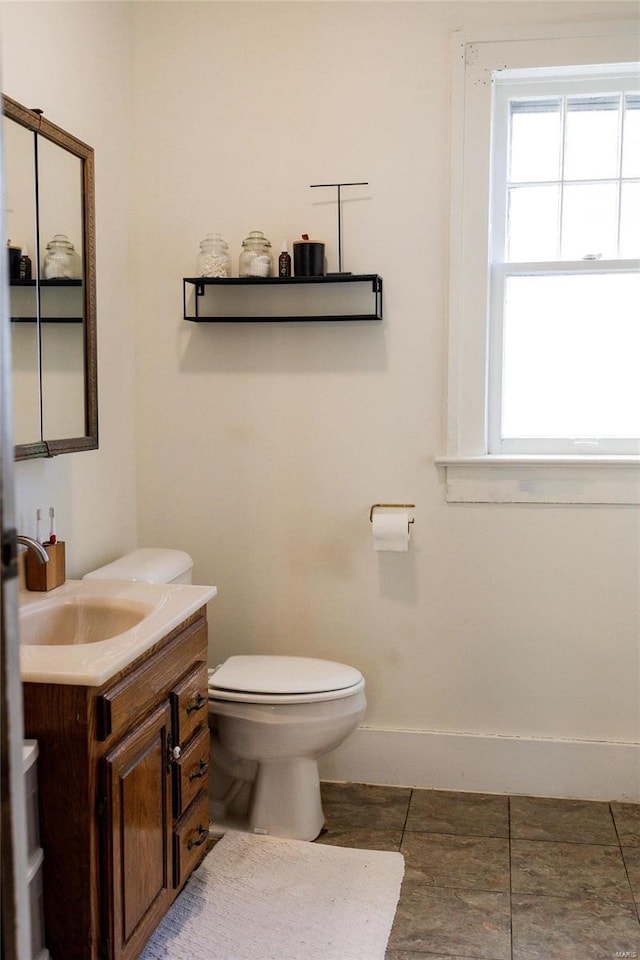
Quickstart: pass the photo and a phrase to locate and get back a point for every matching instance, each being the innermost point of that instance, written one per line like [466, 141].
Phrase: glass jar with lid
[213, 259]
[256, 259]
[61, 261]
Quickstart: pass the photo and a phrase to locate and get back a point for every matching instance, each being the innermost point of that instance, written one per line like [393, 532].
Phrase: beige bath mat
[263, 898]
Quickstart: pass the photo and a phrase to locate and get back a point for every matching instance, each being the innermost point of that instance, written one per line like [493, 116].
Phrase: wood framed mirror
[50, 224]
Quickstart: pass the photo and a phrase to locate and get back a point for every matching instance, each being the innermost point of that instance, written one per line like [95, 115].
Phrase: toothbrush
[38, 521]
[52, 535]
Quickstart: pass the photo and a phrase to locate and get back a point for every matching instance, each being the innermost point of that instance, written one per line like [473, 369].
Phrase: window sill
[542, 479]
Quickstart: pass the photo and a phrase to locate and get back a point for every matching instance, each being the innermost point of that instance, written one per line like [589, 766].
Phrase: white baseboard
[583, 769]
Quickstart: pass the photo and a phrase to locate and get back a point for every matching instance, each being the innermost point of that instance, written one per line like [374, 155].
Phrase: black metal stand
[360, 183]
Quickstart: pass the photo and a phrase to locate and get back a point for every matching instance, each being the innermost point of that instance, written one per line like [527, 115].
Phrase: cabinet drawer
[143, 687]
[191, 838]
[191, 772]
[190, 704]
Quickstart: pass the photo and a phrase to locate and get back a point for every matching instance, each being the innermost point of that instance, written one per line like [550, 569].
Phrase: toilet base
[218, 826]
[285, 800]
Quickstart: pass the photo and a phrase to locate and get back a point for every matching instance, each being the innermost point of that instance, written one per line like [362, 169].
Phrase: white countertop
[92, 664]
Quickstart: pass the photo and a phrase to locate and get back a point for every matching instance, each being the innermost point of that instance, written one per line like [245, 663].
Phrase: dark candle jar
[14, 261]
[308, 258]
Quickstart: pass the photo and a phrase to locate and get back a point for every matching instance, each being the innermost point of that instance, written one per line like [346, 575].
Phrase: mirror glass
[61, 342]
[51, 239]
[20, 178]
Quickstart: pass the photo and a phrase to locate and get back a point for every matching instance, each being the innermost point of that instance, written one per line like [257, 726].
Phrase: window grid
[563, 151]
[562, 182]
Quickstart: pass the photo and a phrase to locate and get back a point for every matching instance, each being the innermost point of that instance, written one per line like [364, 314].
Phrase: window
[543, 398]
[565, 290]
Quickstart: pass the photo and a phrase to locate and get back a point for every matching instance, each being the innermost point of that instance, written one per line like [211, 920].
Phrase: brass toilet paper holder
[392, 506]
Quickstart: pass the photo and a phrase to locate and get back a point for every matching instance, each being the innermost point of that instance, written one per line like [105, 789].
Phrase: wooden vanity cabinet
[123, 790]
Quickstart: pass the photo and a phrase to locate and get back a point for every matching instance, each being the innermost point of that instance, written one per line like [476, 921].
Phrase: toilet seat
[279, 679]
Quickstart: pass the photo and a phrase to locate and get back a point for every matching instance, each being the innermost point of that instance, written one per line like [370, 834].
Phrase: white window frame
[506, 84]
[472, 473]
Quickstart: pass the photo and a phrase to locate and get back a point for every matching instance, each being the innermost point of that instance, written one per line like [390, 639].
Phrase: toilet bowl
[271, 718]
[284, 713]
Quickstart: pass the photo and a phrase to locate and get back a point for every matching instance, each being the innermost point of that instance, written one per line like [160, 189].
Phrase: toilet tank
[147, 565]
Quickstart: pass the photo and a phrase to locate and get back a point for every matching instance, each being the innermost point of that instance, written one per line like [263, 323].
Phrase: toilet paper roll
[391, 531]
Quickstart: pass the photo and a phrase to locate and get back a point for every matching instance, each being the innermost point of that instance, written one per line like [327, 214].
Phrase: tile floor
[500, 878]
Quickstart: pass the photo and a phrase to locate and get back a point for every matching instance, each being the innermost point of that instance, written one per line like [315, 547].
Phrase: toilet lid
[282, 675]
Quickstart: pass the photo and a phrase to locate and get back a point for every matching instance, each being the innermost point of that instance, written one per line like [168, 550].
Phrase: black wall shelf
[45, 283]
[202, 285]
[46, 320]
[23, 309]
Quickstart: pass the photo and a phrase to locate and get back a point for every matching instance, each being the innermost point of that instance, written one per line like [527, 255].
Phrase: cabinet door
[137, 873]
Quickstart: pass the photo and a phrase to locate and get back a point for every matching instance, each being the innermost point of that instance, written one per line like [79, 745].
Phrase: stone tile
[348, 805]
[627, 820]
[553, 928]
[579, 870]
[445, 860]
[411, 955]
[456, 923]
[471, 814]
[575, 821]
[362, 838]
[631, 857]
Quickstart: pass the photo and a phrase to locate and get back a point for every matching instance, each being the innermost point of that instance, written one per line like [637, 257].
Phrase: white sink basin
[68, 620]
[86, 631]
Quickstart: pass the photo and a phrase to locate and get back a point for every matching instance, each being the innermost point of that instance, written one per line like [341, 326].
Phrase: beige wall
[260, 448]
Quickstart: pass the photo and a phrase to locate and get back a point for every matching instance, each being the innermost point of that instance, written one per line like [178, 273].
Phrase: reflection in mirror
[26, 382]
[50, 200]
[19, 156]
[63, 384]
[19, 161]
[59, 210]
[61, 343]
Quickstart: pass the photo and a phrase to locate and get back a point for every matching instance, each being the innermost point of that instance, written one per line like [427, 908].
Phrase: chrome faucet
[34, 545]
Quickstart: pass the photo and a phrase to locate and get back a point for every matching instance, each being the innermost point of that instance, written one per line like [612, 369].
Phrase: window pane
[533, 223]
[536, 136]
[589, 221]
[571, 348]
[631, 141]
[591, 145]
[630, 221]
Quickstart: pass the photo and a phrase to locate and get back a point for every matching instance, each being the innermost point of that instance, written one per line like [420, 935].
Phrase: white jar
[213, 260]
[256, 259]
[61, 261]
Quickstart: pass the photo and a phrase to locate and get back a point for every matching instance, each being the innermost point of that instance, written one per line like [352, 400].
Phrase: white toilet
[271, 717]
[283, 713]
